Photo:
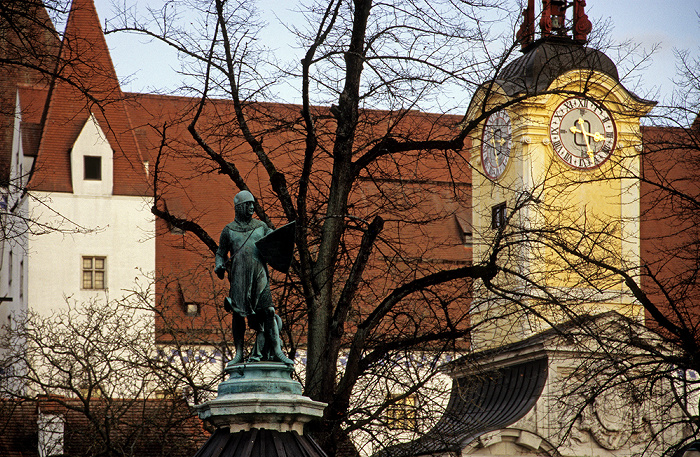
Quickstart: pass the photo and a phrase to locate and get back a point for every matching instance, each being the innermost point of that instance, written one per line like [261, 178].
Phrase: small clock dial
[496, 144]
[583, 133]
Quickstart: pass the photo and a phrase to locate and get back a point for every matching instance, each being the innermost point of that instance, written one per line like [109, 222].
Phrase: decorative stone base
[260, 395]
[267, 377]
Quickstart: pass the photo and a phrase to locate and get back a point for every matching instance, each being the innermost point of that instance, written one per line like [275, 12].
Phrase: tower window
[94, 272]
[498, 216]
[92, 168]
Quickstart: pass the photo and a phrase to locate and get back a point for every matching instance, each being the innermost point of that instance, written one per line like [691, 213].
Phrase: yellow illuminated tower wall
[553, 181]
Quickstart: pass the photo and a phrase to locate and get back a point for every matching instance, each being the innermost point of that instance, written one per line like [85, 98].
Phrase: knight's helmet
[243, 197]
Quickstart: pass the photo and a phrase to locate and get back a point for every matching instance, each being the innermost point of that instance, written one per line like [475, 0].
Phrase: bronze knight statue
[246, 247]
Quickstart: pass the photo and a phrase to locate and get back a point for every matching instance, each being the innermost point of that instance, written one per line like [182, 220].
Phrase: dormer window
[92, 161]
[92, 168]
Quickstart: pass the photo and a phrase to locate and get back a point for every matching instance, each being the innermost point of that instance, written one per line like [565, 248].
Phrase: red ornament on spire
[582, 26]
[526, 32]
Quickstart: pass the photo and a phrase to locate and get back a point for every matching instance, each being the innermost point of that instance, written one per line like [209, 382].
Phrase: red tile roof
[32, 100]
[669, 230]
[28, 49]
[416, 185]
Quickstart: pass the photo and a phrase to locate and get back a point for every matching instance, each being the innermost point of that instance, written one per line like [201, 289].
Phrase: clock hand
[495, 152]
[500, 142]
[597, 136]
[588, 146]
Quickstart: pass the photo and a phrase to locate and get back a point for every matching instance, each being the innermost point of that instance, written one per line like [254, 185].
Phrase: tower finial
[553, 21]
[546, 19]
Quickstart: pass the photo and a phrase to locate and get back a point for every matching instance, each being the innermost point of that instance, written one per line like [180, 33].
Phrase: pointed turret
[86, 88]
[28, 49]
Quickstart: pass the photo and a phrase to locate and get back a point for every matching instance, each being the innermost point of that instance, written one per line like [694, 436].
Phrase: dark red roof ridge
[137, 95]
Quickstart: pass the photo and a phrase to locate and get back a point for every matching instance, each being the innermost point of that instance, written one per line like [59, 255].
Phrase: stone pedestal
[260, 395]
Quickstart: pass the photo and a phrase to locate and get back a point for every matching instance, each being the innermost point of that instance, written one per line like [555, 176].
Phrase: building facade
[558, 150]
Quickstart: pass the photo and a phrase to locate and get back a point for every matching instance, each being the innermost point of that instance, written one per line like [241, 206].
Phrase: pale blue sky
[148, 66]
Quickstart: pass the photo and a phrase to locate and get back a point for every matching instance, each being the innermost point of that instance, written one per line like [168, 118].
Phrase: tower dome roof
[546, 60]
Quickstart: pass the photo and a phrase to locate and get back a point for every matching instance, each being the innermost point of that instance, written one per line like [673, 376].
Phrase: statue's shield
[277, 247]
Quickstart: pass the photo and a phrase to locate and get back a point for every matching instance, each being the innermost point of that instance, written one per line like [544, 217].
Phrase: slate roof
[478, 404]
[495, 398]
[259, 443]
[546, 60]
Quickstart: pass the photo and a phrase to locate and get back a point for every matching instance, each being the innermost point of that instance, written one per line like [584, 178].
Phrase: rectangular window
[498, 216]
[93, 272]
[50, 434]
[21, 280]
[402, 412]
[192, 309]
[92, 168]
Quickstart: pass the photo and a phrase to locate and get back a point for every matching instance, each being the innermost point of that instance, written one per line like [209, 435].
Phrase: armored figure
[249, 296]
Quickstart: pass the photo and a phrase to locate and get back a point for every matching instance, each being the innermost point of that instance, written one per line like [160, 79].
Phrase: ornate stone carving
[612, 420]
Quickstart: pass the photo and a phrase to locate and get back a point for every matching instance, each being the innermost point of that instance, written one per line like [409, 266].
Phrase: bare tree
[93, 369]
[342, 173]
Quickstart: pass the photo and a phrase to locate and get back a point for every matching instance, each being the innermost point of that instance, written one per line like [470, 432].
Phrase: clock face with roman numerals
[496, 144]
[583, 133]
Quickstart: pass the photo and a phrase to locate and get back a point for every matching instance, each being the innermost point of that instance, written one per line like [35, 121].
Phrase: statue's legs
[256, 354]
[272, 334]
[238, 328]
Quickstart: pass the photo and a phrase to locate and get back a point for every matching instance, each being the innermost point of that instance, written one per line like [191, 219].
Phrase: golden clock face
[583, 133]
[496, 144]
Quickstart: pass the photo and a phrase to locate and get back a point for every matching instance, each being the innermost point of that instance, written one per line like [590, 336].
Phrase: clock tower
[554, 175]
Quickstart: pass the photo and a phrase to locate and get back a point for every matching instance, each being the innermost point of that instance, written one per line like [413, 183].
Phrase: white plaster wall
[120, 228]
[13, 262]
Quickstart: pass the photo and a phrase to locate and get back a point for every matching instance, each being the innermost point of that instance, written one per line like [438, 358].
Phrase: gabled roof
[86, 83]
